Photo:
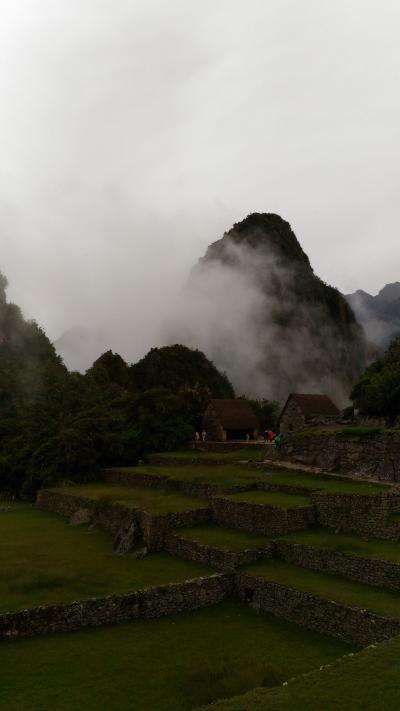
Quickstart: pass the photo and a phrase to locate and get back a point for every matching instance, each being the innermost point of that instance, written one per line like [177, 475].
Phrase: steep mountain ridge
[255, 306]
[380, 314]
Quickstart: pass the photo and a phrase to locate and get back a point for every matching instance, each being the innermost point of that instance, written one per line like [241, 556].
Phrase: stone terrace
[280, 538]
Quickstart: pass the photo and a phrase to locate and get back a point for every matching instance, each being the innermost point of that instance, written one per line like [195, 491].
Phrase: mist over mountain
[79, 346]
[380, 314]
[254, 305]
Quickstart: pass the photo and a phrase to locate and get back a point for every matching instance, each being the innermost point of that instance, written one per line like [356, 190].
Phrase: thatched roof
[235, 414]
[313, 405]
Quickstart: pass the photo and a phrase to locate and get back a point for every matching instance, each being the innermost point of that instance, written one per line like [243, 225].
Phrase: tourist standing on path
[204, 435]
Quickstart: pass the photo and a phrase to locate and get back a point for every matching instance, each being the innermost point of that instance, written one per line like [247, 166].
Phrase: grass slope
[44, 561]
[170, 664]
[157, 501]
[330, 484]
[331, 587]
[369, 680]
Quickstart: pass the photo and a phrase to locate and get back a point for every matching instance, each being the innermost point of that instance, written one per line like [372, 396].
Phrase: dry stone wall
[367, 515]
[371, 571]
[152, 602]
[211, 555]
[111, 516]
[191, 488]
[375, 455]
[326, 616]
[257, 518]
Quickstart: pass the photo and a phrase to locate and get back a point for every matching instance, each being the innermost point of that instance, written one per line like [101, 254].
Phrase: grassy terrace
[344, 543]
[44, 561]
[170, 664]
[368, 680]
[223, 475]
[330, 484]
[270, 498]
[239, 475]
[157, 501]
[250, 453]
[228, 539]
[328, 586]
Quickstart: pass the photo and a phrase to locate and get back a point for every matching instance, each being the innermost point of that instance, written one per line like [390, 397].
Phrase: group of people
[269, 435]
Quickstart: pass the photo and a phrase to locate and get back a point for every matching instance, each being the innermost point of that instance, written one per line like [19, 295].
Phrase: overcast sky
[134, 132]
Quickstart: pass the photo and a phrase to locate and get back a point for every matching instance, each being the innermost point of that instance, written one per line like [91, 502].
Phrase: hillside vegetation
[56, 424]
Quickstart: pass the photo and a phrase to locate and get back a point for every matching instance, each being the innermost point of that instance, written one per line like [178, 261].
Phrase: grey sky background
[133, 133]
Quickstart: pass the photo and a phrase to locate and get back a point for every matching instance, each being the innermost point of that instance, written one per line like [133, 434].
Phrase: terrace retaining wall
[229, 446]
[375, 455]
[96, 612]
[191, 488]
[261, 518]
[371, 571]
[326, 616]
[111, 516]
[160, 460]
[367, 515]
[211, 555]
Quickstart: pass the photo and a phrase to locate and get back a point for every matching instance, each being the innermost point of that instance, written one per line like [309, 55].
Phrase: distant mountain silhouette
[380, 314]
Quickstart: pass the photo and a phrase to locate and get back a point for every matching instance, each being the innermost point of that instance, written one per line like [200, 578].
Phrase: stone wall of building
[338, 620]
[267, 520]
[371, 571]
[211, 555]
[292, 418]
[372, 455]
[96, 612]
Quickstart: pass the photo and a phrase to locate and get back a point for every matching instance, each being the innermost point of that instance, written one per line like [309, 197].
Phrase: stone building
[302, 410]
[229, 419]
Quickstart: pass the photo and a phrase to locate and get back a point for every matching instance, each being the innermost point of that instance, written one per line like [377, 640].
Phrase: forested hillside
[56, 424]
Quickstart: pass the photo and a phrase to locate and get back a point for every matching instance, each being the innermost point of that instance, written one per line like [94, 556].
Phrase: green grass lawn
[226, 538]
[169, 664]
[330, 484]
[367, 681]
[157, 501]
[345, 543]
[250, 453]
[331, 587]
[43, 560]
[271, 498]
[223, 475]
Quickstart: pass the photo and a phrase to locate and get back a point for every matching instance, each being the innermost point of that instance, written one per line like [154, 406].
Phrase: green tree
[378, 391]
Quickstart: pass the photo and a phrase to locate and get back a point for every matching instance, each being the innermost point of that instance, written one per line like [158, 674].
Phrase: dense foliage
[378, 391]
[56, 424]
[179, 367]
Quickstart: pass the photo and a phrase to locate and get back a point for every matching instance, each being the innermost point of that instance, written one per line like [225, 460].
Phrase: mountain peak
[264, 232]
[389, 293]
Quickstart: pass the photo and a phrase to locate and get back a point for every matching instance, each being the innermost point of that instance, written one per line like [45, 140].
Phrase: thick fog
[134, 133]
